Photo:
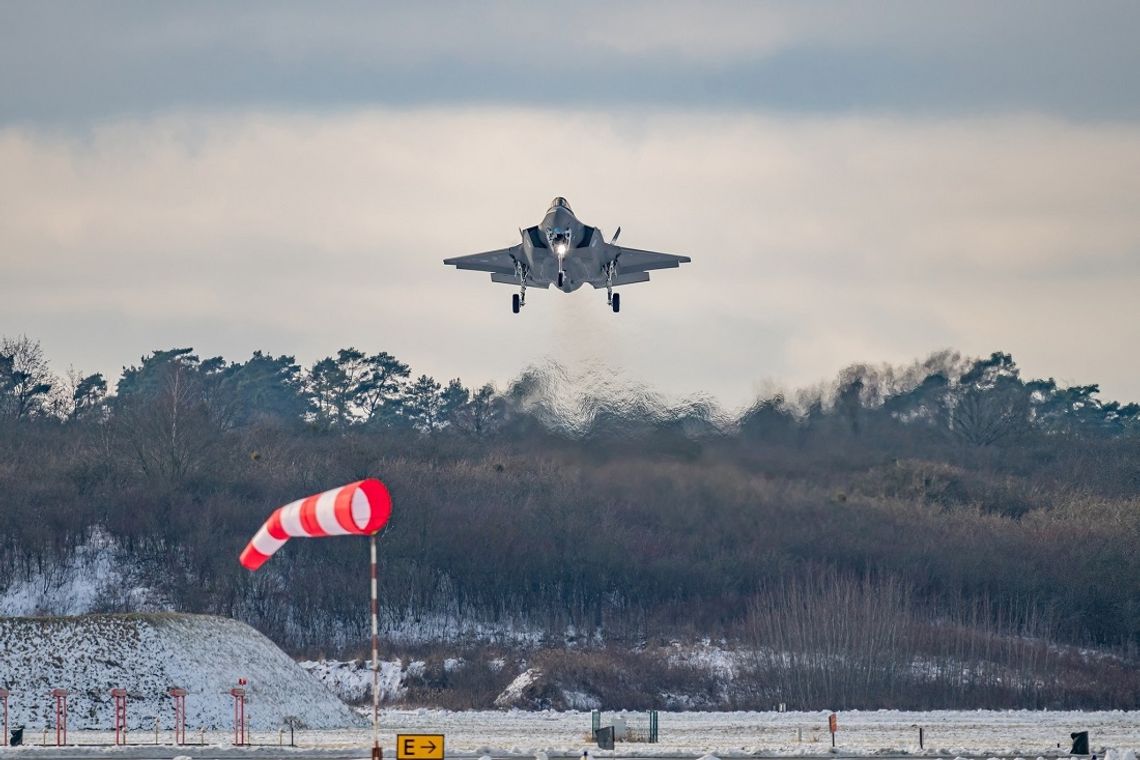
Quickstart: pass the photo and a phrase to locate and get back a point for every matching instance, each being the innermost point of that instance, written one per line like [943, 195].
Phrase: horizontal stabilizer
[629, 278]
[510, 279]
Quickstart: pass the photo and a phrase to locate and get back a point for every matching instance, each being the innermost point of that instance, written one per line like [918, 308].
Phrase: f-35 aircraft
[568, 254]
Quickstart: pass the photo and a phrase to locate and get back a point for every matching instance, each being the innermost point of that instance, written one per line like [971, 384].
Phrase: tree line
[978, 401]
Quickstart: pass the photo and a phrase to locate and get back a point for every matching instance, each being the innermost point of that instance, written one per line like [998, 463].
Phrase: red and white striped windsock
[360, 509]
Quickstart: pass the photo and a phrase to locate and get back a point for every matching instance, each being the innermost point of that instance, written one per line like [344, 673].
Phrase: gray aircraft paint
[562, 242]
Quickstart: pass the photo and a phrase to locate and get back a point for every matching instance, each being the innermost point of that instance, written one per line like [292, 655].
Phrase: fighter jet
[568, 254]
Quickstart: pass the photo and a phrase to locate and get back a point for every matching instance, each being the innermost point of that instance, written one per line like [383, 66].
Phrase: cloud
[72, 65]
[815, 242]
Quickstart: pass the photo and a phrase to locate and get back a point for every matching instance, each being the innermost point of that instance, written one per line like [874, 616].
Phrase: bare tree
[162, 410]
[26, 381]
[990, 403]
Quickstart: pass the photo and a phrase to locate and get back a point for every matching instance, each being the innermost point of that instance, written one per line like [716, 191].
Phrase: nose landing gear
[616, 302]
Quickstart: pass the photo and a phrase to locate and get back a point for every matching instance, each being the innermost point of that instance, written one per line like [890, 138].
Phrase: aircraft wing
[636, 260]
[501, 261]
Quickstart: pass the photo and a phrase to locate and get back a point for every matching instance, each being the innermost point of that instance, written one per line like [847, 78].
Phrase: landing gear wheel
[617, 302]
[515, 303]
[561, 278]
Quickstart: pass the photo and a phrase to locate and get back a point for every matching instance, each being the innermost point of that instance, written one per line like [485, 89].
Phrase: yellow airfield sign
[419, 746]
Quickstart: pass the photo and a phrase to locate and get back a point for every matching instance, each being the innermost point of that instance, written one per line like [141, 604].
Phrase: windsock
[359, 509]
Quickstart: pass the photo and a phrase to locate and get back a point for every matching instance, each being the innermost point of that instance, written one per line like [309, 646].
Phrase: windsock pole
[377, 753]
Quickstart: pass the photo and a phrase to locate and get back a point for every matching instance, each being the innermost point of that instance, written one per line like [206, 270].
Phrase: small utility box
[1080, 742]
[605, 737]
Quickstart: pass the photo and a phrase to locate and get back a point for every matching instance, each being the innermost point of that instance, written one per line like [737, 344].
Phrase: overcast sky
[868, 181]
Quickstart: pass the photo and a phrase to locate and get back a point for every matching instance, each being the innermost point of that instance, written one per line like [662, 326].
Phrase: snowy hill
[146, 655]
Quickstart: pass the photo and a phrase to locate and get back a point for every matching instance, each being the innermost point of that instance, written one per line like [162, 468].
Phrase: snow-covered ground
[729, 733]
[723, 734]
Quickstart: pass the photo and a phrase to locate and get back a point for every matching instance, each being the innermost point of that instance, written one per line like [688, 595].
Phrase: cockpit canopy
[559, 202]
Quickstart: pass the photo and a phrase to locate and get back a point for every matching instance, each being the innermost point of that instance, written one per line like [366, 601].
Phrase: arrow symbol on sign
[431, 746]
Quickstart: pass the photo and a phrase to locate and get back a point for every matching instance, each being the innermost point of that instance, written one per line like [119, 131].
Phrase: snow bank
[513, 694]
[351, 680]
[146, 654]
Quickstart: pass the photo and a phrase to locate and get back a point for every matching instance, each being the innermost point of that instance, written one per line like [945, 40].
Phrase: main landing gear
[518, 300]
[612, 298]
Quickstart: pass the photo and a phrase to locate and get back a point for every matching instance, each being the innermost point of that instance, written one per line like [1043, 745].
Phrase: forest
[948, 533]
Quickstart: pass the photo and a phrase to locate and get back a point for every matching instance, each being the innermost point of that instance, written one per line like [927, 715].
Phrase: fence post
[238, 694]
[178, 695]
[4, 699]
[60, 716]
[120, 697]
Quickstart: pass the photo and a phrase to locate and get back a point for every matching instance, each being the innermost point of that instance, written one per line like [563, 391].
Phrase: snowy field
[688, 735]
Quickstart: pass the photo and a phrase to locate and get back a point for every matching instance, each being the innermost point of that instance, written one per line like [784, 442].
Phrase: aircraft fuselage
[560, 241]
